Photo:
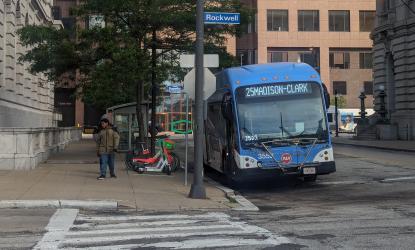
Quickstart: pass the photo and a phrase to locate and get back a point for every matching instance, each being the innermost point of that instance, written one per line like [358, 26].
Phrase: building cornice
[37, 4]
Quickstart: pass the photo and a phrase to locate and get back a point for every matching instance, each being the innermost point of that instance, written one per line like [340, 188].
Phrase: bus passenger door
[216, 131]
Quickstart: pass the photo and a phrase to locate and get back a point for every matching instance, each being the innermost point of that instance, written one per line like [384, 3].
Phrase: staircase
[366, 133]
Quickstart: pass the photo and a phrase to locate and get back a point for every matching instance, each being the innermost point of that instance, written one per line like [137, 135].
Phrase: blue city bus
[269, 119]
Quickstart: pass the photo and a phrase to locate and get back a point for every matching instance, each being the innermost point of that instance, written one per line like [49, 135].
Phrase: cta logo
[286, 158]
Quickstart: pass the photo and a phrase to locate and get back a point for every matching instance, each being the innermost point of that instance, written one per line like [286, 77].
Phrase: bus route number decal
[250, 138]
[278, 90]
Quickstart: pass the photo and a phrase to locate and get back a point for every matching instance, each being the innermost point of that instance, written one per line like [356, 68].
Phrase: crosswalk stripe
[58, 225]
[108, 239]
[172, 231]
[148, 230]
[152, 217]
[140, 224]
[198, 243]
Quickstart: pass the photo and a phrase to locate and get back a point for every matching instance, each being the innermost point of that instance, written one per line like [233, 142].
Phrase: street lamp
[382, 109]
[336, 112]
[363, 113]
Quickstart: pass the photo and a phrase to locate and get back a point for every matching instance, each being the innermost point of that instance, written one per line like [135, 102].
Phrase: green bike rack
[177, 131]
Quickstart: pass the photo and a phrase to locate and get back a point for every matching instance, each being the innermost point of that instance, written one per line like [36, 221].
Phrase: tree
[129, 52]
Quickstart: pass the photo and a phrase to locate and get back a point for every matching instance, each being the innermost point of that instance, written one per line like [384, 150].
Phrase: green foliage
[113, 62]
[341, 101]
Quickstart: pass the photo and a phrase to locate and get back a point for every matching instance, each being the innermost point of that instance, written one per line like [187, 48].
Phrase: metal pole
[336, 114]
[187, 139]
[197, 191]
[363, 113]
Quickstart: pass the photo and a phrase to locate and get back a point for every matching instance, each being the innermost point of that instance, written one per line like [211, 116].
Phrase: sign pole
[187, 139]
[197, 190]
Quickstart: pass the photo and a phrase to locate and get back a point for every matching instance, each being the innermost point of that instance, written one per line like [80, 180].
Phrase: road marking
[165, 231]
[199, 243]
[59, 224]
[399, 179]
[151, 217]
[137, 224]
[144, 231]
[342, 182]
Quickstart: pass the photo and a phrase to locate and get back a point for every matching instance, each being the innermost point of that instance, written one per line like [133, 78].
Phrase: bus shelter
[171, 118]
[124, 118]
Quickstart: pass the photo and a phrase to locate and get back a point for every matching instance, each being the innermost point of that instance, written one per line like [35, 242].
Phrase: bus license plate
[307, 171]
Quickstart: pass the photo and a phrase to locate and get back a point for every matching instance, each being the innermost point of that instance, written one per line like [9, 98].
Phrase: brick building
[330, 35]
[74, 111]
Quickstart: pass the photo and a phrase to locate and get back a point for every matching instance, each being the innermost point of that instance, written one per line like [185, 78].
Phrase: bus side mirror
[326, 96]
[226, 107]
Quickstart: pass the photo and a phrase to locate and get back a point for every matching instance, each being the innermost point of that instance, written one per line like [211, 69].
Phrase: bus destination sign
[278, 90]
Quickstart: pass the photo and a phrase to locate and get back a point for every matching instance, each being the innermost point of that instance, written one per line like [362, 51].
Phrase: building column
[325, 67]
[19, 65]
[2, 43]
[79, 113]
[10, 72]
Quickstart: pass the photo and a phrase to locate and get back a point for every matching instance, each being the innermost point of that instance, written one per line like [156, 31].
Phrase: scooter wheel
[167, 170]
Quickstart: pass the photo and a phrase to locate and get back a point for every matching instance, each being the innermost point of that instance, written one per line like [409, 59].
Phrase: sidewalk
[406, 146]
[71, 175]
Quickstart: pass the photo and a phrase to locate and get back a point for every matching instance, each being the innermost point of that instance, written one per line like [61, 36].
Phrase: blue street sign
[175, 89]
[222, 18]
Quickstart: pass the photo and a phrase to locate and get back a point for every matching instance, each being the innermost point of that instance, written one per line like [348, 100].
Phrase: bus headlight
[324, 155]
[244, 162]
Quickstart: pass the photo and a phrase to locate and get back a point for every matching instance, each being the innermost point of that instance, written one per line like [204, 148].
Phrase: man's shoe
[101, 177]
[113, 176]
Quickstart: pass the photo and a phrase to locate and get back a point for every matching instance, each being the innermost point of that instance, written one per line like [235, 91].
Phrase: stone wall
[394, 64]
[25, 148]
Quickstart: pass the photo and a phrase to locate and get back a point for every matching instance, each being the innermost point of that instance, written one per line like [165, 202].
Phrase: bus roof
[266, 73]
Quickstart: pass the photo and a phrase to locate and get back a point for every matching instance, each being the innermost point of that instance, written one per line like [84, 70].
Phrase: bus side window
[326, 96]
[217, 120]
[330, 117]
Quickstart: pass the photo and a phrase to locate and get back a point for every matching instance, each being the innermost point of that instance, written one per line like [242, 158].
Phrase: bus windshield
[281, 111]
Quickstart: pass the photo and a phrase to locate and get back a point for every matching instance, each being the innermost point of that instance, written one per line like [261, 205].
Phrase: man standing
[107, 144]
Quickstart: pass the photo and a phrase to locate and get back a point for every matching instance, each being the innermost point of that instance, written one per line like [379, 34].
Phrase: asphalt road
[367, 204]
[22, 228]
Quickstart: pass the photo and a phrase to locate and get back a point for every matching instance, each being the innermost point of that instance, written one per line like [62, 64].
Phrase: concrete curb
[80, 204]
[375, 147]
[244, 204]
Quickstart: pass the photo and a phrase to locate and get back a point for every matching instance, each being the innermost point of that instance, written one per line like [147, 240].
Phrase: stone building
[28, 133]
[394, 64]
[26, 100]
[331, 35]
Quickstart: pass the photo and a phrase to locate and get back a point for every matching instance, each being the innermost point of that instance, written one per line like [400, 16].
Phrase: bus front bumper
[321, 168]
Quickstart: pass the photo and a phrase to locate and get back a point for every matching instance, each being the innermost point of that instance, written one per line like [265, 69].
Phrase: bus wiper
[270, 152]
[282, 127]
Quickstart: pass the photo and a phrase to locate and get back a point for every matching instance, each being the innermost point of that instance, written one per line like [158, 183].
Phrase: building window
[340, 87]
[308, 20]
[309, 58]
[366, 61]
[56, 13]
[339, 60]
[277, 20]
[368, 88]
[277, 56]
[339, 20]
[367, 20]
[242, 56]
